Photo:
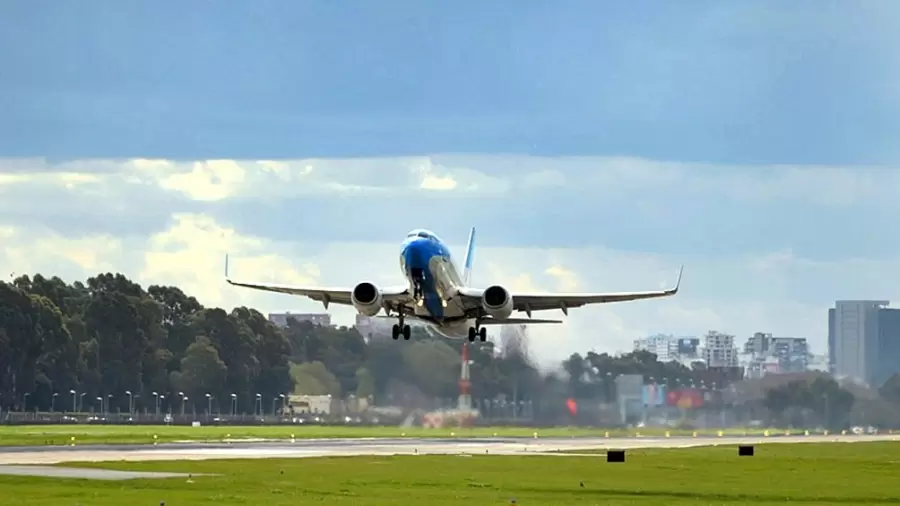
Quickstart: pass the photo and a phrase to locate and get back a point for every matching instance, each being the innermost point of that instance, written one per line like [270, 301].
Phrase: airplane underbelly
[445, 287]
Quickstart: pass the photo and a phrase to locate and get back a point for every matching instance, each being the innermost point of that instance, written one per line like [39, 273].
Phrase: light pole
[81, 401]
[53, 402]
[156, 400]
[233, 404]
[25, 402]
[74, 406]
[209, 399]
[259, 404]
[281, 396]
[183, 398]
[101, 403]
[108, 402]
[130, 402]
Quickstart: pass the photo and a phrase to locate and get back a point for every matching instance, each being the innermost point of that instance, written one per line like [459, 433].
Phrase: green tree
[313, 378]
[202, 371]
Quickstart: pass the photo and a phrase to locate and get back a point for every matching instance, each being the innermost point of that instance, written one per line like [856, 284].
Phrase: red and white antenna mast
[465, 396]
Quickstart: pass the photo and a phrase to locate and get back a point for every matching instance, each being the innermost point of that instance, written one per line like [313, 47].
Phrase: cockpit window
[420, 233]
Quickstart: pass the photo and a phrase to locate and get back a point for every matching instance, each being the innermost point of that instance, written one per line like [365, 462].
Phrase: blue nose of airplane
[417, 253]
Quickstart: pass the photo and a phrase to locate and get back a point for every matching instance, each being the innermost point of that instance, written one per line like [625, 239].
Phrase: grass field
[28, 435]
[847, 474]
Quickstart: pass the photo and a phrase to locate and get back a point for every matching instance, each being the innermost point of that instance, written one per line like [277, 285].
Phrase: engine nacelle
[366, 298]
[497, 302]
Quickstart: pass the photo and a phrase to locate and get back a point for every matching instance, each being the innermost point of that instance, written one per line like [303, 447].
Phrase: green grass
[28, 435]
[846, 474]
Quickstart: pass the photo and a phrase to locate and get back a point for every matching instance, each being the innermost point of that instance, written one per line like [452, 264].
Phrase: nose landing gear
[418, 278]
[479, 332]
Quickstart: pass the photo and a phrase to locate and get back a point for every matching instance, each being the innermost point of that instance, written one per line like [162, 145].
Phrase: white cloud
[780, 290]
[38, 250]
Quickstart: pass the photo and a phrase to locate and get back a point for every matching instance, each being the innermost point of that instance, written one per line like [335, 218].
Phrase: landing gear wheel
[395, 332]
[482, 334]
[406, 332]
[472, 333]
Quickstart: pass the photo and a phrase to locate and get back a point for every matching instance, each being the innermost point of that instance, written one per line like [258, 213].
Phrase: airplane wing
[392, 295]
[529, 302]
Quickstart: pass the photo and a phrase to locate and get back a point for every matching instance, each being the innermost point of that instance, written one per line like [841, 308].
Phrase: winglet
[226, 268]
[678, 280]
[470, 250]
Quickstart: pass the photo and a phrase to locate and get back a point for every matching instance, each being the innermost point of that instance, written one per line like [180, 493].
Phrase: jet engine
[497, 302]
[366, 298]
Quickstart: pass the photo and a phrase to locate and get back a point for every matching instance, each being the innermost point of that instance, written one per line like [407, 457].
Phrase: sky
[596, 146]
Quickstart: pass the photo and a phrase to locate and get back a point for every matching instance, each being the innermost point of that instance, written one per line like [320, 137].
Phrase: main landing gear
[479, 332]
[397, 330]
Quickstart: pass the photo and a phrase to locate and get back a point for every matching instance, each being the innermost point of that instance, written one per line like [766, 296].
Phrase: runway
[33, 460]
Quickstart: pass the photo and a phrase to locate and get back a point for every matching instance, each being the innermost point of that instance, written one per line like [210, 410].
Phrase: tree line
[108, 343]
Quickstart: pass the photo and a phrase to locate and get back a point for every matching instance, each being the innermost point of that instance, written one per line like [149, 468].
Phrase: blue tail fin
[470, 251]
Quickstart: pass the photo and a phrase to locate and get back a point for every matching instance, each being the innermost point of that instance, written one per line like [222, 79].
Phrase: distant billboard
[685, 398]
[653, 395]
[629, 385]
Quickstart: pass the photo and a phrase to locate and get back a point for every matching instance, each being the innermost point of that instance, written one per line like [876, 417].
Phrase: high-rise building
[719, 350]
[668, 348]
[688, 347]
[853, 338]
[281, 319]
[888, 362]
[758, 344]
[792, 353]
[831, 337]
[764, 354]
[665, 347]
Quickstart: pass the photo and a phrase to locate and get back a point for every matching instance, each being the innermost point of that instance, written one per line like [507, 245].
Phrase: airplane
[436, 294]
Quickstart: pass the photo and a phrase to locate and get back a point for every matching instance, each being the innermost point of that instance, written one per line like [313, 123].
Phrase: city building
[888, 362]
[665, 347]
[855, 339]
[719, 350]
[765, 354]
[688, 347]
[757, 344]
[669, 348]
[281, 319]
